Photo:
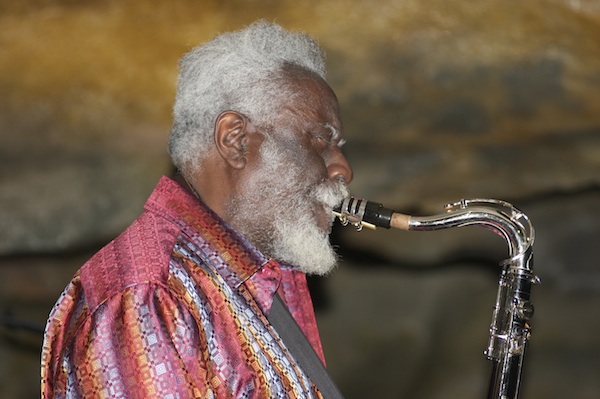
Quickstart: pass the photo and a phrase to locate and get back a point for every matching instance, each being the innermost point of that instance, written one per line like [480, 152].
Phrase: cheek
[315, 167]
[310, 164]
[301, 155]
[313, 161]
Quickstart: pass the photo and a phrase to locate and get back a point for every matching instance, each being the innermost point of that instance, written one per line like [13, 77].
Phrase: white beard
[276, 211]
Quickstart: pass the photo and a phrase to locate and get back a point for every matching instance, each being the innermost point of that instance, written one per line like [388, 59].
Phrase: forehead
[313, 102]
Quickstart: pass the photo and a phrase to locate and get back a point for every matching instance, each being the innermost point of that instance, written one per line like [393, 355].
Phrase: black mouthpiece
[358, 209]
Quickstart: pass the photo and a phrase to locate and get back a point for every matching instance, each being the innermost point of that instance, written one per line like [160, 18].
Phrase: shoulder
[139, 255]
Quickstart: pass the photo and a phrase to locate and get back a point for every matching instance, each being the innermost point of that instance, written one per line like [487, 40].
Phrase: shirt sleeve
[140, 343]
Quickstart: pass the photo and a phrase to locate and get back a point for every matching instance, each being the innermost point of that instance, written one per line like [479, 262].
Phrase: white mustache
[331, 194]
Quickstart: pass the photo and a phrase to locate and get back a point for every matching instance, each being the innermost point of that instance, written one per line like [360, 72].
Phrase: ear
[231, 138]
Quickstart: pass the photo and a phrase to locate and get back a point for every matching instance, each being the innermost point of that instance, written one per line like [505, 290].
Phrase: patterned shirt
[175, 308]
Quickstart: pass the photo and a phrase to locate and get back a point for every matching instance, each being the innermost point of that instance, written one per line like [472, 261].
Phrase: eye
[325, 137]
[326, 140]
[320, 141]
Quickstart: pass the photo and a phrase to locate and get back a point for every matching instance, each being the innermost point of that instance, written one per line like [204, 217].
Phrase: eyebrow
[335, 134]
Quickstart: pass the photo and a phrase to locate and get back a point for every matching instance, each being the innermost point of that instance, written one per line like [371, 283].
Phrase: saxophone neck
[498, 216]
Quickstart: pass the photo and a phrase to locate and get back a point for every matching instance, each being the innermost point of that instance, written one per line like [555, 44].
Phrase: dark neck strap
[301, 349]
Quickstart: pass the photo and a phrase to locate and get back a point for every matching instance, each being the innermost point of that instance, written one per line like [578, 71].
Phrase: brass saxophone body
[510, 329]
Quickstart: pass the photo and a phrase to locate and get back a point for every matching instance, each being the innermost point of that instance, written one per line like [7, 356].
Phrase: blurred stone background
[442, 100]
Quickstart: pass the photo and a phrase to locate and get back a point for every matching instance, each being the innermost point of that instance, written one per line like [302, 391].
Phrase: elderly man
[177, 305]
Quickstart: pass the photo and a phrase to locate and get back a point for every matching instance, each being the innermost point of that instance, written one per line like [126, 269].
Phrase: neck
[186, 185]
[210, 187]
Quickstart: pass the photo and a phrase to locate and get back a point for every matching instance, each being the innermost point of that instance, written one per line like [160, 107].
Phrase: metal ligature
[510, 330]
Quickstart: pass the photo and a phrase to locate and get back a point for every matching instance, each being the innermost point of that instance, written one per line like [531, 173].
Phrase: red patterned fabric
[175, 308]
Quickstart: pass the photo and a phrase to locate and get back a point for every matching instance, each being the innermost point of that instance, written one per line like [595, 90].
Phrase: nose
[339, 168]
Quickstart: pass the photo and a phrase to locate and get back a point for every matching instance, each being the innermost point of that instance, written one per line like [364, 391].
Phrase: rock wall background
[441, 101]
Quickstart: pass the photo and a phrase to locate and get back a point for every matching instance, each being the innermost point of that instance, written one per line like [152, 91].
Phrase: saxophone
[510, 329]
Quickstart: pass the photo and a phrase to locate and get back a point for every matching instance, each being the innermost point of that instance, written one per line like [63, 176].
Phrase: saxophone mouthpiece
[362, 213]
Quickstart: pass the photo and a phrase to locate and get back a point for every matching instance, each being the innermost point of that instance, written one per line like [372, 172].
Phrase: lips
[327, 196]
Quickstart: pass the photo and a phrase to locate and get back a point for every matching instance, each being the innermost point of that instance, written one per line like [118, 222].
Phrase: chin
[306, 246]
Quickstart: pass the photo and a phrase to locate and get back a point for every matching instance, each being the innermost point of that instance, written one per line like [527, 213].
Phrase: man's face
[284, 206]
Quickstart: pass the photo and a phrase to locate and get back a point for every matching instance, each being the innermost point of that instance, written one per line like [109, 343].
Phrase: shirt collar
[214, 238]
